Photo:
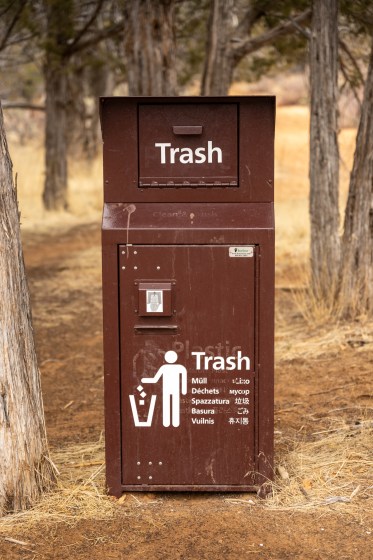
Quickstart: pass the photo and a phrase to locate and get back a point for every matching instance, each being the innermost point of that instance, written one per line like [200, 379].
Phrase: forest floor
[322, 502]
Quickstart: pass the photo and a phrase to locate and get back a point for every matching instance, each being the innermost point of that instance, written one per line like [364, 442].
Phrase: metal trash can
[188, 292]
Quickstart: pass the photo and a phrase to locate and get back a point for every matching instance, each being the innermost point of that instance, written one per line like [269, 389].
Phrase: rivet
[160, 463]
[138, 478]
[150, 463]
[135, 283]
[123, 252]
[138, 462]
[158, 268]
[123, 268]
[150, 477]
[135, 252]
[135, 268]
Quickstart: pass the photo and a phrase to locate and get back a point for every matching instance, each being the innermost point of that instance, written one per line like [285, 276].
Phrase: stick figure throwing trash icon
[171, 373]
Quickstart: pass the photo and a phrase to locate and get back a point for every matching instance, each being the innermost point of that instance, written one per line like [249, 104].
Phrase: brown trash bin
[188, 292]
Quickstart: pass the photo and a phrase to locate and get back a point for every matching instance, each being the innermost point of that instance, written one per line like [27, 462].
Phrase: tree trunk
[324, 156]
[101, 84]
[150, 47]
[25, 469]
[85, 87]
[219, 65]
[356, 288]
[230, 40]
[55, 184]
[59, 27]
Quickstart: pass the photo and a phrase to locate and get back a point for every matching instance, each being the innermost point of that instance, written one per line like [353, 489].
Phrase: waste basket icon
[135, 412]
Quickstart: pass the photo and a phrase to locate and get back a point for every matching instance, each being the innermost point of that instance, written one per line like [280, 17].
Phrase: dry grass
[79, 493]
[318, 307]
[85, 189]
[334, 471]
[293, 342]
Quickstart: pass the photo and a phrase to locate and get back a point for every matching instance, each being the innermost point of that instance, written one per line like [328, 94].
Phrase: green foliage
[285, 52]
[358, 16]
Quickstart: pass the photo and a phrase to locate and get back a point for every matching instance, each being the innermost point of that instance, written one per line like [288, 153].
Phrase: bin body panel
[188, 293]
[214, 314]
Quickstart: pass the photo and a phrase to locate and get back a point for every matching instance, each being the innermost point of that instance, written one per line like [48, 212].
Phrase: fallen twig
[90, 464]
[16, 541]
[67, 405]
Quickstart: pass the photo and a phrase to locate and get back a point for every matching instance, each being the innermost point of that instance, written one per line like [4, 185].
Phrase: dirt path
[327, 385]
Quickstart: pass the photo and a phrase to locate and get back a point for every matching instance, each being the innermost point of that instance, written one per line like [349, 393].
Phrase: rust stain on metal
[130, 209]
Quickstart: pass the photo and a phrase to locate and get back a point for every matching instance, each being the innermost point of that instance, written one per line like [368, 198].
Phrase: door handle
[189, 130]
[155, 327]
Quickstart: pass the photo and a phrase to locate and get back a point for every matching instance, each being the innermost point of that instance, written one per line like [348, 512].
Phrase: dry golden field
[291, 185]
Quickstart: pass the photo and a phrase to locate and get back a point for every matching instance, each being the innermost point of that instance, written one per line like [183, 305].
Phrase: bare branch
[302, 30]
[29, 106]
[71, 47]
[6, 9]
[352, 59]
[253, 44]
[251, 15]
[98, 37]
[20, 39]
[348, 81]
[8, 32]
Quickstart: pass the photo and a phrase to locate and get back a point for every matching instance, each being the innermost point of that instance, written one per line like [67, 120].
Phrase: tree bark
[324, 154]
[55, 184]
[150, 47]
[219, 63]
[229, 42]
[356, 287]
[87, 83]
[25, 469]
[59, 24]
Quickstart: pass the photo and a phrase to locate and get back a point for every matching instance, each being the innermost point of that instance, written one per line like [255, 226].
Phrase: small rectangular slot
[187, 130]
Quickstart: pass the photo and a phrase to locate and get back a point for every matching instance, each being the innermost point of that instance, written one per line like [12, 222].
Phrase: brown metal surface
[187, 159]
[253, 139]
[214, 436]
[192, 274]
[224, 224]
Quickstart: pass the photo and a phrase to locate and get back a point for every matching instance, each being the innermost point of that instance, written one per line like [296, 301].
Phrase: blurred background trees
[59, 56]
[64, 54]
[60, 40]
[150, 47]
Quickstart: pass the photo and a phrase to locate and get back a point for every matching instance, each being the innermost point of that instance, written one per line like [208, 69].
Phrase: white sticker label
[154, 301]
[244, 252]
